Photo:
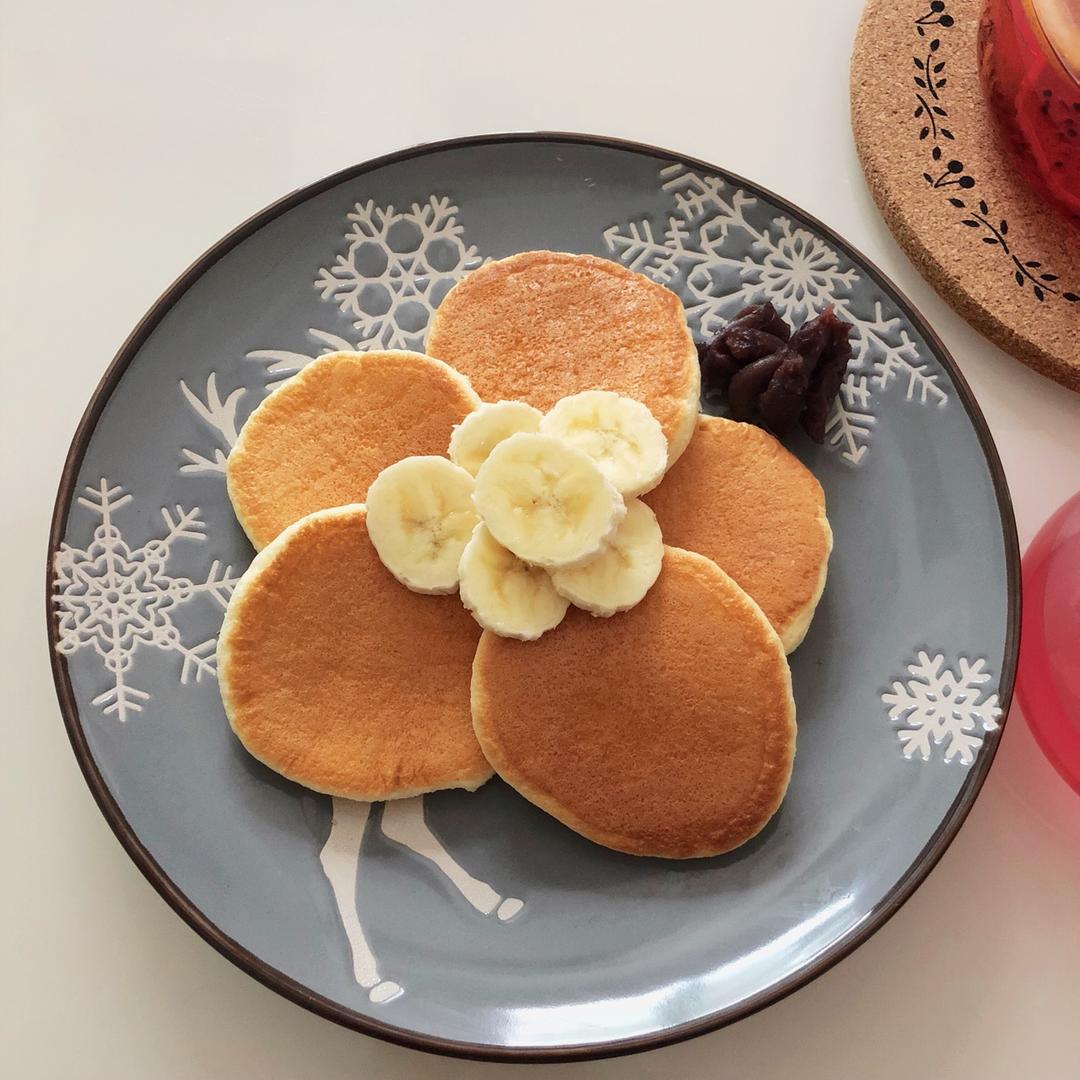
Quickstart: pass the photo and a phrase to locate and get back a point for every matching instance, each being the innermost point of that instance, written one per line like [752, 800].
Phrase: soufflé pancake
[738, 497]
[668, 730]
[322, 437]
[542, 325]
[340, 679]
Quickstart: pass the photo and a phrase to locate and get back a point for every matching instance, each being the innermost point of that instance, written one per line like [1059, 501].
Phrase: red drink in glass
[1048, 685]
[1029, 58]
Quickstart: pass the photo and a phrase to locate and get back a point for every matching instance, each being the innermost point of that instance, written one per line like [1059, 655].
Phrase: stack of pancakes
[667, 730]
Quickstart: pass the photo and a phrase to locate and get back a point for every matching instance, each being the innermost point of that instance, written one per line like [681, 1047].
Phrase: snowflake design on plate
[716, 253]
[937, 705]
[396, 268]
[116, 598]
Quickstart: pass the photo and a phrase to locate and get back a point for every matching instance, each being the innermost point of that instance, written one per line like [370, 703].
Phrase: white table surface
[136, 134]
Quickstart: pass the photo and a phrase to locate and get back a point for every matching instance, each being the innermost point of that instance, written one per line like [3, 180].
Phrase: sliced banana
[617, 432]
[621, 575]
[420, 516]
[484, 428]
[506, 595]
[547, 502]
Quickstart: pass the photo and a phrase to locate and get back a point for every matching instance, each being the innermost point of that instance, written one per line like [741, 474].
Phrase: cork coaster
[1005, 261]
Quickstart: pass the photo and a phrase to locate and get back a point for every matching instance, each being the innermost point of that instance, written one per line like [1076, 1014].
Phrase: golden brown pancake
[544, 324]
[667, 730]
[339, 678]
[323, 436]
[752, 507]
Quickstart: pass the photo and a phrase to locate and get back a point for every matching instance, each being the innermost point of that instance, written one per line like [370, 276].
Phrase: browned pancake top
[667, 730]
[541, 325]
[321, 438]
[752, 507]
[338, 677]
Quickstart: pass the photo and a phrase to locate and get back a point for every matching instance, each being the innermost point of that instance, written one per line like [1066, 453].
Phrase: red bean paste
[775, 378]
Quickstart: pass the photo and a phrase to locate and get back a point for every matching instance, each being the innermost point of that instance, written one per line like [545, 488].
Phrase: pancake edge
[692, 411]
[794, 633]
[305, 374]
[615, 842]
[260, 563]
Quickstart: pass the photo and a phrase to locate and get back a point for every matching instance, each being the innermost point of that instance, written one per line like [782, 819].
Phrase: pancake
[668, 730]
[738, 497]
[542, 325]
[323, 436]
[337, 677]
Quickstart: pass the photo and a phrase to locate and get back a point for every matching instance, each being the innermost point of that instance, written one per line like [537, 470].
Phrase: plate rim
[291, 989]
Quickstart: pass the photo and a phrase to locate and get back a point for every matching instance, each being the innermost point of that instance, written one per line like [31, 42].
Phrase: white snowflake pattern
[785, 264]
[115, 598]
[937, 705]
[397, 268]
[849, 423]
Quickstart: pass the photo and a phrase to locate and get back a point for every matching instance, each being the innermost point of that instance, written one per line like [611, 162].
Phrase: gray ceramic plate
[413, 927]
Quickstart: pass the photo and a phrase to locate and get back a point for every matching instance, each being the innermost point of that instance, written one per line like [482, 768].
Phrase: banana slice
[547, 502]
[617, 432]
[420, 516]
[621, 575]
[506, 595]
[484, 428]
